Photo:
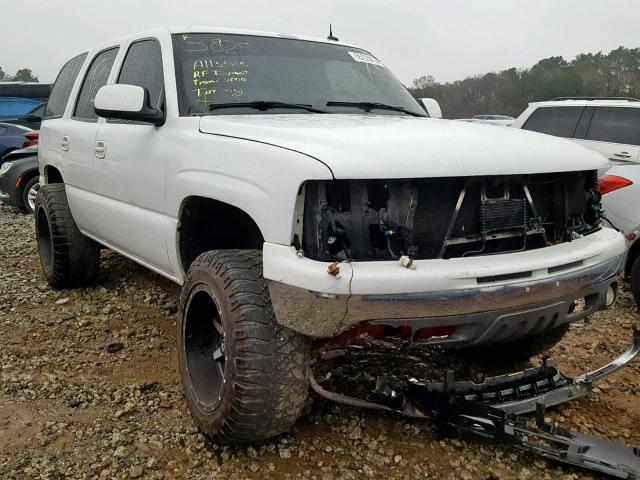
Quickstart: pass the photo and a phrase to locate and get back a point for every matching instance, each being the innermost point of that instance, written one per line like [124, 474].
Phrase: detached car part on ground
[491, 410]
[20, 179]
[291, 218]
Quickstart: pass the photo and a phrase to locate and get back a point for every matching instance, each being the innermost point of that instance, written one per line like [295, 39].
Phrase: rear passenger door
[54, 121]
[132, 162]
[82, 175]
[615, 132]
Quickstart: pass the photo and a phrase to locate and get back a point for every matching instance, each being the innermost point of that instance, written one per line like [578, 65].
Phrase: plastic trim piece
[492, 409]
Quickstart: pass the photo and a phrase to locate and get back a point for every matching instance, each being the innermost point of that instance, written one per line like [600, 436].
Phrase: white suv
[298, 193]
[608, 125]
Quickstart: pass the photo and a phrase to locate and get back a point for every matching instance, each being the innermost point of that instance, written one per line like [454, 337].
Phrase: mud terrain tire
[68, 258]
[245, 377]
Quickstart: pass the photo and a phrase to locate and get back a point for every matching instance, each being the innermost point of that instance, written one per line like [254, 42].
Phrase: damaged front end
[449, 217]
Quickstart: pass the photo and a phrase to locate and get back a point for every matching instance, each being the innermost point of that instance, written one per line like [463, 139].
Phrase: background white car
[608, 125]
[620, 187]
[502, 120]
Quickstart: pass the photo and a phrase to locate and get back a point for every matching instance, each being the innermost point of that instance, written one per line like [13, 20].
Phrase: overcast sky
[449, 40]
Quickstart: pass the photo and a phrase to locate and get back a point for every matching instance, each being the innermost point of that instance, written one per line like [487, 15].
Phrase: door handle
[64, 143]
[622, 155]
[100, 149]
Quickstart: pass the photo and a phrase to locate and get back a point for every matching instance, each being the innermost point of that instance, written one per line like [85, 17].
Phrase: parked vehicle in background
[298, 192]
[608, 125]
[31, 119]
[19, 178]
[18, 99]
[502, 120]
[14, 137]
[620, 187]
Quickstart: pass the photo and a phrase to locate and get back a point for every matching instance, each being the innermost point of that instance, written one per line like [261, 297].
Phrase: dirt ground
[89, 389]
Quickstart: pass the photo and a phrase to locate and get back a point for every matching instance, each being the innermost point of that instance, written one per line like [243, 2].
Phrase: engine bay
[448, 217]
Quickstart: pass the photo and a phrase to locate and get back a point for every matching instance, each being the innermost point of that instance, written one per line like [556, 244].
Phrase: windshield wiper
[264, 105]
[368, 106]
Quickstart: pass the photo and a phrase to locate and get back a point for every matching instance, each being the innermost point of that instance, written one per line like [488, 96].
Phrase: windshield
[215, 69]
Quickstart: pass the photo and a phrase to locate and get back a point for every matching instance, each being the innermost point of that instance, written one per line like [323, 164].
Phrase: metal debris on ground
[492, 410]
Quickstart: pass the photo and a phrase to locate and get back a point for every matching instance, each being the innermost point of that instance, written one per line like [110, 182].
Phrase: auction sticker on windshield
[365, 58]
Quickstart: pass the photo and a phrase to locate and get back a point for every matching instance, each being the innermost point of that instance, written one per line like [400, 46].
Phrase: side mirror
[431, 106]
[31, 118]
[127, 102]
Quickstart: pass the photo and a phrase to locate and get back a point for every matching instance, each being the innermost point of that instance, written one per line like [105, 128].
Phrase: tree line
[508, 92]
[22, 75]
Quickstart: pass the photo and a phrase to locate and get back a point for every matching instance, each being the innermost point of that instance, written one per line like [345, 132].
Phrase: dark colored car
[15, 137]
[19, 178]
[31, 119]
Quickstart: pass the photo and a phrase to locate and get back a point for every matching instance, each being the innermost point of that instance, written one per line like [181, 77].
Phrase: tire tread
[271, 363]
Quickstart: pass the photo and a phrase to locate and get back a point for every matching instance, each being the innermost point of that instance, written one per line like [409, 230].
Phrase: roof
[582, 102]
[256, 33]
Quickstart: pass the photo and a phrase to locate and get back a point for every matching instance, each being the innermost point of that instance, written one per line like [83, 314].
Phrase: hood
[394, 146]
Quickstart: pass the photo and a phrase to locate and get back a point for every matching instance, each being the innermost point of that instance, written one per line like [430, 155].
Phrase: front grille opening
[447, 217]
[566, 266]
[502, 278]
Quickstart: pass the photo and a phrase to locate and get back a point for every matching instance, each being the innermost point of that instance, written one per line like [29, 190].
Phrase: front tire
[245, 377]
[68, 258]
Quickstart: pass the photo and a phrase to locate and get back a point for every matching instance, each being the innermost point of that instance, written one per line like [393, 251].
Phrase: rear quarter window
[62, 87]
[558, 121]
[615, 125]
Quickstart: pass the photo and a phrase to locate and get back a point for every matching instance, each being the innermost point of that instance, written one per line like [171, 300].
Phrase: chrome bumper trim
[319, 315]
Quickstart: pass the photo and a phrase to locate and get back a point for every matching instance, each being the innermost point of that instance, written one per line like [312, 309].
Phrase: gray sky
[449, 40]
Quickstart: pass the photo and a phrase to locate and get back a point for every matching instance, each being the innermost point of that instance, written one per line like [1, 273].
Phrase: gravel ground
[89, 389]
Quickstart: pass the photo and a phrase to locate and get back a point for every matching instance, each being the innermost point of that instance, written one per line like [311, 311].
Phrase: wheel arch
[52, 174]
[208, 224]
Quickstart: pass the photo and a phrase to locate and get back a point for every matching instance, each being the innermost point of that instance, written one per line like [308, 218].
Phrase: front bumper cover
[481, 315]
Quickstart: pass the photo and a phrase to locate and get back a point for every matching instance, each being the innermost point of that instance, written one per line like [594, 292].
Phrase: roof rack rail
[628, 99]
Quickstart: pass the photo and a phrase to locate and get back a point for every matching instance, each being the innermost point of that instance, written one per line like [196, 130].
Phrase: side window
[615, 125]
[62, 88]
[96, 77]
[38, 112]
[143, 67]
[558, 121]
[583, 124]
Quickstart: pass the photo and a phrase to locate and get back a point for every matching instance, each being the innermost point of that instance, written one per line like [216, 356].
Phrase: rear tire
[245, 377]
[68, 258]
